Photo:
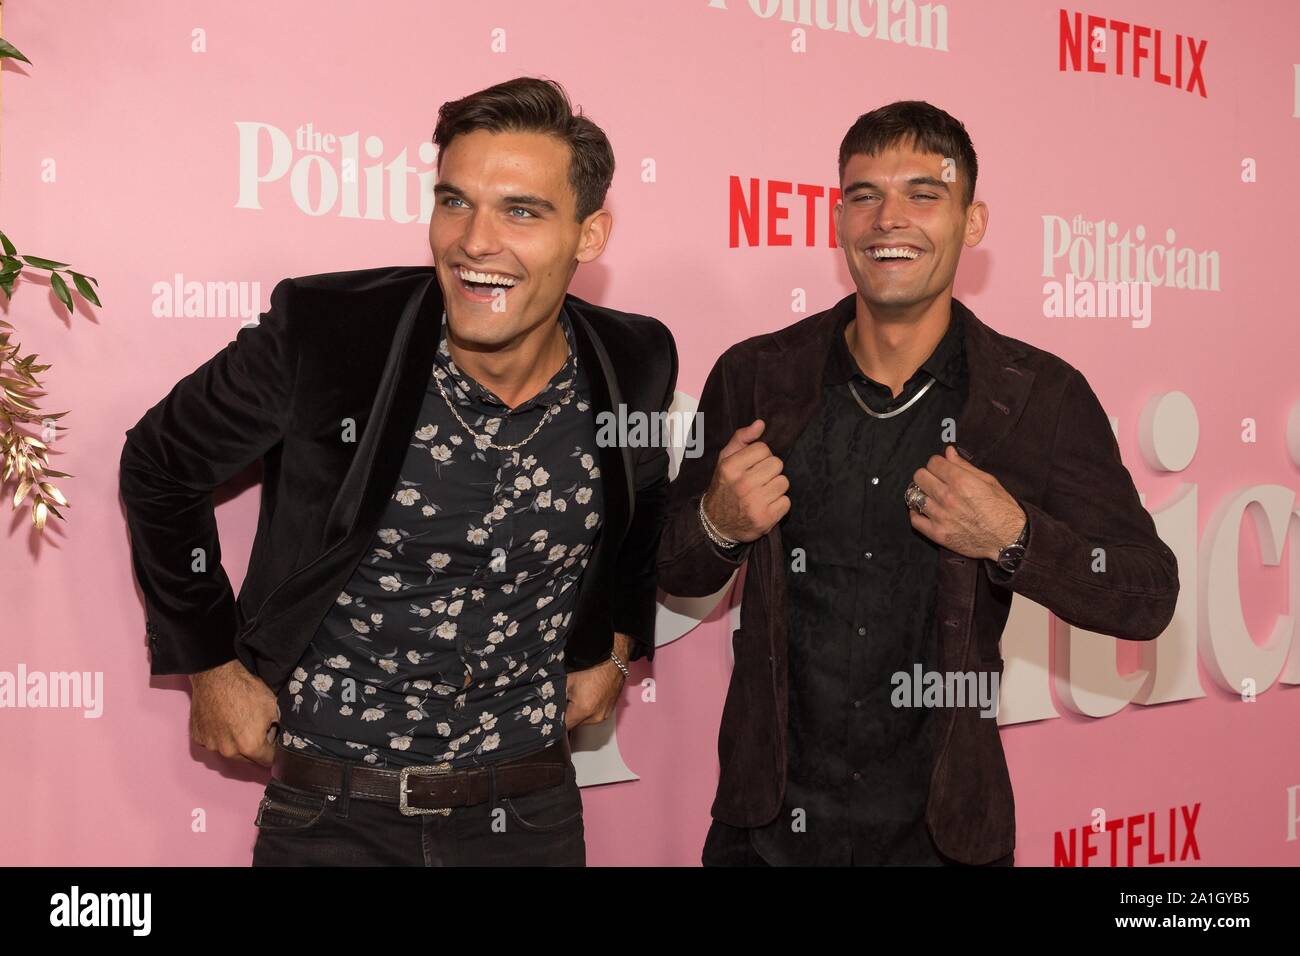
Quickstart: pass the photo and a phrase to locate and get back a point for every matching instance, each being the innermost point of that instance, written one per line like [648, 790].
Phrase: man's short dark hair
[920, 126]
[535, 105]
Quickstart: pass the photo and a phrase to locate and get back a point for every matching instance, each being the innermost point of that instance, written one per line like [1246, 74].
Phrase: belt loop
[347, 787]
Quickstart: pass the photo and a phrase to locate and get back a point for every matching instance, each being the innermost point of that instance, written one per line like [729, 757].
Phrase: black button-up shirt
[447, 644]
[862, 609]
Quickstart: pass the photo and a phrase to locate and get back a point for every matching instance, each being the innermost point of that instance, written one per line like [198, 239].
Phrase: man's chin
[479, 331]
[890, 299]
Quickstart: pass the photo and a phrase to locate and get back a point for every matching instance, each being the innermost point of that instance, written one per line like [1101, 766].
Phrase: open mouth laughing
[894, 256]
[478, 286]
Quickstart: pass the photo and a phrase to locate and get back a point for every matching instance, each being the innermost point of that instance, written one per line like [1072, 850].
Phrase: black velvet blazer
[353, 345]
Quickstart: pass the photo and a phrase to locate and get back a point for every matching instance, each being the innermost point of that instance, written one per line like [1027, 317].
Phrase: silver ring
[915, 498]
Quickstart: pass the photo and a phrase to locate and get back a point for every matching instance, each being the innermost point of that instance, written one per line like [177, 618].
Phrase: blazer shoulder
[325, 298]
[1039, 360]
[624, 330]
[819, 325]
[379, 280]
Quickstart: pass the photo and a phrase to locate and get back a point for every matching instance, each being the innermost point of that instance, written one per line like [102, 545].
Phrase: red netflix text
[771, 213]
[1143, 839]
[1102, 37]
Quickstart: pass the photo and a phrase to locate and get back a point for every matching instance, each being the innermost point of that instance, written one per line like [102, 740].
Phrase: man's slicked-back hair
[920, 126]
[536, 105]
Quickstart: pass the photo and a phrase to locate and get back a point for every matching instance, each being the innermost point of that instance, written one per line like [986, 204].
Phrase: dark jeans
[540, 828]
[726, 845]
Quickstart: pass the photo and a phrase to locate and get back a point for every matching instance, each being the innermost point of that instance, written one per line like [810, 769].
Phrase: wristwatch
[1009, 558]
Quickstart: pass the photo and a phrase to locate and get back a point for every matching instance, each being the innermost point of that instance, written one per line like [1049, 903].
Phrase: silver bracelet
[716, 536]
[619, 664]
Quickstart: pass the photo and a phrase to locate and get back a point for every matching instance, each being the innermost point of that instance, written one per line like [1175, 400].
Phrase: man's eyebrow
[914, 181]
[537, 202]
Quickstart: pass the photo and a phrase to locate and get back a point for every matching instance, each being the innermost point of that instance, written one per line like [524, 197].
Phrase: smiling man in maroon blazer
[894, 470]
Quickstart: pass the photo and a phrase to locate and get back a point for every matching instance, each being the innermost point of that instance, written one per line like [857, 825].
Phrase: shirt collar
[464, 388]
[943, 364]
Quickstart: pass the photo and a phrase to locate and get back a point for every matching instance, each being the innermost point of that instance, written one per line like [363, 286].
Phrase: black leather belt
[425, 788]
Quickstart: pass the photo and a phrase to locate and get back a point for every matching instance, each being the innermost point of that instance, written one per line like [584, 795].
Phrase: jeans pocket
[547, 808]
[288, 808]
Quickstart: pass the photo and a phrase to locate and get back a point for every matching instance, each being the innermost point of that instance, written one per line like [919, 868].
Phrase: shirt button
[857, 705]
[875, 481]
[857, 775]
[866, 554]
[862, 631]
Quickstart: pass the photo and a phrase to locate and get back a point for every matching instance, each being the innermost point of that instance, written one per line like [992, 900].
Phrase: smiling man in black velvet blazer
[444, 554]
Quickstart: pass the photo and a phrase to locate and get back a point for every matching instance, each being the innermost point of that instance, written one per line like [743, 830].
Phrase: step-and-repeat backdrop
[172, 148]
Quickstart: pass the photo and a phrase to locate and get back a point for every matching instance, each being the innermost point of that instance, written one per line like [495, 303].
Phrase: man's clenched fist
[232, 711]
[748, 493]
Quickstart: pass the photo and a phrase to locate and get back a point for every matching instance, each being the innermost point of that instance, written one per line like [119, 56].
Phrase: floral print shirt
[447, 643]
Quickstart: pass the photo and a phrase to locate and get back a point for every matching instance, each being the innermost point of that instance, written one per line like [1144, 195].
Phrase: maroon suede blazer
[1033, 422]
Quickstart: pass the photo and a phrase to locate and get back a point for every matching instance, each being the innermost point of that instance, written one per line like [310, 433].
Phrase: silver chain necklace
[546, 417]
[898, 411]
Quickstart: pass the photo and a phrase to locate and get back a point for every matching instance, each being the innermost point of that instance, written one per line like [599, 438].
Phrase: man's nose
[480, 237]
[891, 213]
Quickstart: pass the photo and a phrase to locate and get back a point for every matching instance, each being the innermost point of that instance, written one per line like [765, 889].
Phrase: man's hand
[966, 510]
[748, 493]
[593, 692]
[232, 712]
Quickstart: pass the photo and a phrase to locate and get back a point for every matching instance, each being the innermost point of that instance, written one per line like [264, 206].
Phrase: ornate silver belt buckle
[425, 770]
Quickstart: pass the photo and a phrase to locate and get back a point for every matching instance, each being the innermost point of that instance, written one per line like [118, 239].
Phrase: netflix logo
[1143, 839]
[781, 213]
[1111, 42]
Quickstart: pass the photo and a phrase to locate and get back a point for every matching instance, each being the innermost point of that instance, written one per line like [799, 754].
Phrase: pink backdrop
[121, 155]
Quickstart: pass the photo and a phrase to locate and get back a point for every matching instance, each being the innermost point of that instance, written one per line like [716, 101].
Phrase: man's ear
[594, 235]
[977, 223]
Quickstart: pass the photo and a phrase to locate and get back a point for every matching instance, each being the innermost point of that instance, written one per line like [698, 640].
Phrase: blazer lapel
[616, 466]
[788, 380]
[369, 481]
[999, 387]
[787, 390]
